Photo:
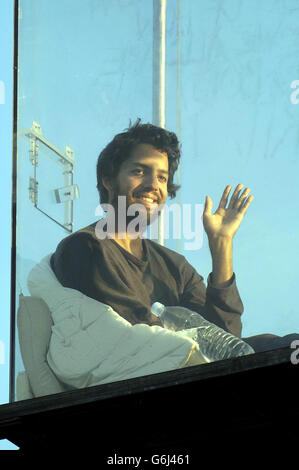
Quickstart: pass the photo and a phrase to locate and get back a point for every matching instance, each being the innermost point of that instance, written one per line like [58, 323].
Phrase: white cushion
[92, 344]
[23, 387]
[34, 329]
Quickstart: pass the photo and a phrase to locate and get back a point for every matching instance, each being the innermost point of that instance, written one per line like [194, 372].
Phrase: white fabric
[23, 387]
[34, 330]
[91, 344]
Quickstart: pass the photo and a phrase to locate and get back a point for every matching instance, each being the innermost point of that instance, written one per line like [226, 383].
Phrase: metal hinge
[33, 190]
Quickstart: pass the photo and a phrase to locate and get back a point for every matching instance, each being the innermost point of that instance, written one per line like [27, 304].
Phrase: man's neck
[131, 245]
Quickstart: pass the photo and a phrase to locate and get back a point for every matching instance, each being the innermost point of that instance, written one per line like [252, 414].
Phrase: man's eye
[163, 178]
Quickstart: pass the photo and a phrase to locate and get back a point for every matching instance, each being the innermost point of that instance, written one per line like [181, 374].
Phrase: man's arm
[221, 227]
[222, 261]
[220, 302]
[219, 305]
[73, 264]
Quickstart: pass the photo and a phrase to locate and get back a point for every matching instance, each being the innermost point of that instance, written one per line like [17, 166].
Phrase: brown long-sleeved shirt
[104, 271]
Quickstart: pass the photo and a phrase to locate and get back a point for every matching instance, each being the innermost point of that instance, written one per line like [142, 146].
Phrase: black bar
[219, 407]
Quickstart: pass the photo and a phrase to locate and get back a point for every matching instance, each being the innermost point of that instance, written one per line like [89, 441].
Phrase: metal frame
[222, 368]
[14, 210]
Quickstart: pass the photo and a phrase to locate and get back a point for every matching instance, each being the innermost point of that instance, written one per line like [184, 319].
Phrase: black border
[215, 407]
[226, 369]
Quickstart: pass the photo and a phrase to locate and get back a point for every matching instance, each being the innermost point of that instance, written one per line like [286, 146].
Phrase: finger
[208, 206]
[246, 204]
[240, 200]
[224, 198]
[235, 195]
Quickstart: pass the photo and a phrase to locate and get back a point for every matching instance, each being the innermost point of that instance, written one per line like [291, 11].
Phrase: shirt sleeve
[221, 306]
[74, 266]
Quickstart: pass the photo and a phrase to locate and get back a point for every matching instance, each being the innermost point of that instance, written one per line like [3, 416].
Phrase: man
[129, 272]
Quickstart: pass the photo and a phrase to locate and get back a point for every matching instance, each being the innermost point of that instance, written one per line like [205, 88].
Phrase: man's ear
[107, 183]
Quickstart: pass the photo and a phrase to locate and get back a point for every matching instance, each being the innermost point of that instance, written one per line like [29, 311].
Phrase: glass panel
[84, 74]
[80, 89]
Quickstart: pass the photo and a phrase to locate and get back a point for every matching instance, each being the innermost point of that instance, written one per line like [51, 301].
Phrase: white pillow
[92, 344]
[34, 330]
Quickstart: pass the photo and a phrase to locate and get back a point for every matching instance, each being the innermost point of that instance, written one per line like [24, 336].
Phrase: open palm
[226, 220]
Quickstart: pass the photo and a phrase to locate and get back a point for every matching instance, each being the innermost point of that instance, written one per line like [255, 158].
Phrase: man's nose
[151, 180]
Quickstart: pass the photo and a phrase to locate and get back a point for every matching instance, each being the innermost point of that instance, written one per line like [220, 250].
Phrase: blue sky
[84, 75]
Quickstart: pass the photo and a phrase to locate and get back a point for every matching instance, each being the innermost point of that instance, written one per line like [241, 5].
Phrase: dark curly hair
[120, 148]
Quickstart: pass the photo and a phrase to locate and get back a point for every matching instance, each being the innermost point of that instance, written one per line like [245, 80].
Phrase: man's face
[142, 178]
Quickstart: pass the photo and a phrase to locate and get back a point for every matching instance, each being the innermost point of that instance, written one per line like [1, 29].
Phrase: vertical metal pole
[159, 46]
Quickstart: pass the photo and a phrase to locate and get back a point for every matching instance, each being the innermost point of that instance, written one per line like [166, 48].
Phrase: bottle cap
[157, 309]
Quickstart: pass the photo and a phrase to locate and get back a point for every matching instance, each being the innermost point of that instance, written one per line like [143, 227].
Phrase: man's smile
[147, 198]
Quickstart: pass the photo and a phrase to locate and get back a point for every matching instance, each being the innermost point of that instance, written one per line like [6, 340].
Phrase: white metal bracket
[65, 160]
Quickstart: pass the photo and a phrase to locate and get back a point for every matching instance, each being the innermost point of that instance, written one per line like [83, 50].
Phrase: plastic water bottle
[214, 342]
